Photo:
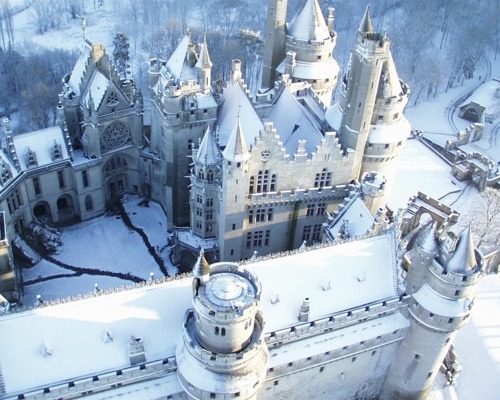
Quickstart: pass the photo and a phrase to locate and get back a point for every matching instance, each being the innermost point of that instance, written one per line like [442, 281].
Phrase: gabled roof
[177, 63]
[208, 153]
[237, 103]
[309, 23]
[293, 123]
[95, 90]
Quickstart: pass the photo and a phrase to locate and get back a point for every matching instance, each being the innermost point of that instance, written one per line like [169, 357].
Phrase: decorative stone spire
[366, 25]
[427, 240]
[236, 149]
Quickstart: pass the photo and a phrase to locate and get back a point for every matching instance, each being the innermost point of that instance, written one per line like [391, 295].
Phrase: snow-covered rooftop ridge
[208, 153]
[79, 69]
[294, 124]
[309, 23]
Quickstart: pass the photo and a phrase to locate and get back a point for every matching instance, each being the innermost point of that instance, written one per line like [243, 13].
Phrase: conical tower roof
[204, 58]
[208, 153]
[427, 240]
[390, 86]
[236, 149]
[463, 259]
[309, 23]
[366, 25]
[201, 267]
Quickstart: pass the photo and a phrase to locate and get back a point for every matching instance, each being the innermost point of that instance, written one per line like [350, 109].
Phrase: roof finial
[84, 26]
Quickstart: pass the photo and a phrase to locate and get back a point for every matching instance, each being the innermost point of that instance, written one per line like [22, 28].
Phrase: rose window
[117, 134]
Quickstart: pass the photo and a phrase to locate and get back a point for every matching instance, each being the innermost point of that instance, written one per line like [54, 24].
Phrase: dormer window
[56, 151]
[31, 160]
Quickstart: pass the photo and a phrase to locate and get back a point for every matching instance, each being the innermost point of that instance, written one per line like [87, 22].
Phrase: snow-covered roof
[440, 305]
[205, 101]
[96, 89]
[177, 63]
[313, 70]
[391, 86]
[334, 116]
[237, 103]
[74, 331]
[356, 218]
[204, 60]
[236, 149]
[293, 123]
[208, 153]
[309, 23]
[79, 69]
[40, 143]
[463, 260]
[396, 131]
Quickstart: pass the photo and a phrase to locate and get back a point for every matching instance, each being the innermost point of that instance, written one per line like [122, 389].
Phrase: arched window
[252, 184]
[210, 175]
[116, 163]
[89, 204]
[273, 183]
[262, 181]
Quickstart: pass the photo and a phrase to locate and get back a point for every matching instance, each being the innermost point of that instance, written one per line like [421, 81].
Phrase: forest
[436, 44]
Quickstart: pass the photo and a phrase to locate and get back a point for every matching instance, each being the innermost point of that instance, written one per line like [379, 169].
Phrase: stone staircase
[31, 255]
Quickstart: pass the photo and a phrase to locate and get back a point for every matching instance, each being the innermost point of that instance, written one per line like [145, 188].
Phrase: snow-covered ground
[100, 246]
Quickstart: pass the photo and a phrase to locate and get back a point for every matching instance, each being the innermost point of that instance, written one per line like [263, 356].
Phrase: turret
[274, 51]
[223, 352]
[437, 309]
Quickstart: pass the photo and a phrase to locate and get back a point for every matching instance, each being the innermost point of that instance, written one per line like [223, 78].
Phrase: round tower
[223, 352]
[437, 309]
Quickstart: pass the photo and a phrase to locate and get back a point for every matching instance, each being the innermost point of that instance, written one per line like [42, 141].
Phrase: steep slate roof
[177, 63]
[293, 123]
[390, 86]
[208, 153]
[309, 23]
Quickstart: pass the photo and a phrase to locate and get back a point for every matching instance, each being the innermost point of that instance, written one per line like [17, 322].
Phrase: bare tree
[484, 217]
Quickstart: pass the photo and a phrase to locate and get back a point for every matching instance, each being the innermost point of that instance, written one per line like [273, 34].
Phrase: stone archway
[65, 209]
[471, 114]
[116, 172]
[41, 211]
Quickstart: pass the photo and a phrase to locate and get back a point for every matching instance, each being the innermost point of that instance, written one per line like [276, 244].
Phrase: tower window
[213, 395]
[223, 332]
[85, 178]
[60, 177]
[417, 356]
[36, 186]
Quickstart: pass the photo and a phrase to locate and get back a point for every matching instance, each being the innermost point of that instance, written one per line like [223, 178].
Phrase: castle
[355, 308]
[236, 174]
[369, 317]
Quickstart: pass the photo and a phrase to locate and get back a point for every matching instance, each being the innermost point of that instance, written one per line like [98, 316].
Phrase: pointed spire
[463, 259]
[236, 149]
[208, 153]
[366, 25]
[309, 23]
[201, 267]
[204, 57]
